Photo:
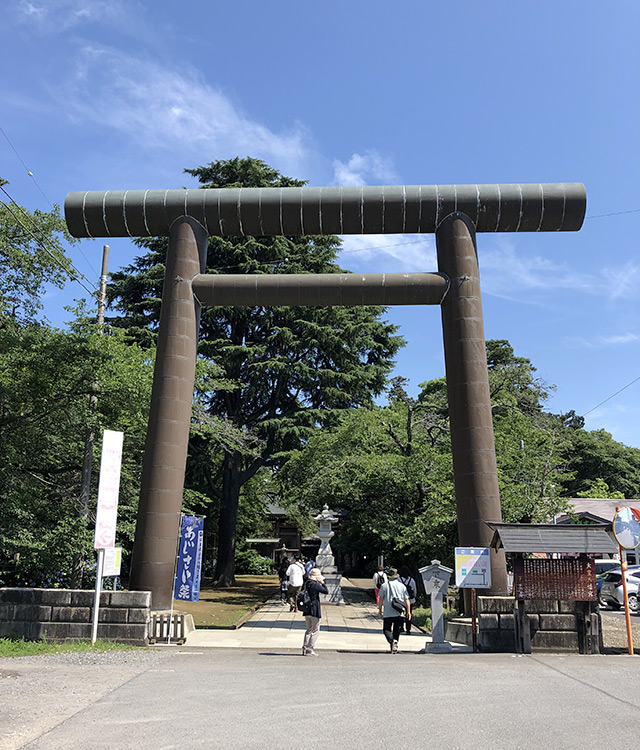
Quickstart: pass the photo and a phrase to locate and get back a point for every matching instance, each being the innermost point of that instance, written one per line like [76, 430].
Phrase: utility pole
[85, 483]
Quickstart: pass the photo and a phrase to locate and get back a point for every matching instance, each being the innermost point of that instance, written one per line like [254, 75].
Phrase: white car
[611, 593]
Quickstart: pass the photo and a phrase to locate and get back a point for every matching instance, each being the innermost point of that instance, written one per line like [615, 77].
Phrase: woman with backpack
[412, 590]
[379, 579]
[314, 586]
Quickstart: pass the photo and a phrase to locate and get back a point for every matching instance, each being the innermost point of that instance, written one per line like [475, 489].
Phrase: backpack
[379, 580]
[409, 587]
[303, 602]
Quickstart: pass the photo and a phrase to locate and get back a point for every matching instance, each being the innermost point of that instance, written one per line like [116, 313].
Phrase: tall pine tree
[279, 371]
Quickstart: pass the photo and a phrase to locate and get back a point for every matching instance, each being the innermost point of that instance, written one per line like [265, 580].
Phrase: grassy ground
[225, 608]
[20, 647]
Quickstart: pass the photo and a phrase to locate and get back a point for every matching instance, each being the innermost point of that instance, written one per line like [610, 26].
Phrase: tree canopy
[280, 371]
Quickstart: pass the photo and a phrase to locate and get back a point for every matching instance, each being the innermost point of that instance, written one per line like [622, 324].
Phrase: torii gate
[453, 212]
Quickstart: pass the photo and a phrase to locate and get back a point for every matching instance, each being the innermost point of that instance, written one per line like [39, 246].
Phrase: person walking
[295, 574]
[379, 578]
[315, 585]
[282, 575]
[308, 566]
[391, 618]
[412, 590]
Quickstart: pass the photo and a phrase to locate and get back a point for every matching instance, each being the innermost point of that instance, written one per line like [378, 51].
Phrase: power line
[612, 395]
[79, 275]
[28, 171]
[615, 213]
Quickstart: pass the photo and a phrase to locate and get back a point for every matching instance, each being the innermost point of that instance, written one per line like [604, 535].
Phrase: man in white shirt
[295, 574]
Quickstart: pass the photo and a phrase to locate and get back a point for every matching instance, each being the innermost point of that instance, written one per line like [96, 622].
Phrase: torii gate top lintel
[292, 211]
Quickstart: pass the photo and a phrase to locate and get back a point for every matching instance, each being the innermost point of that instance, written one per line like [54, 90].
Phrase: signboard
[567, 579]
[187, 583]
[108, 489]
[435, 578]
[473, 568]
[112, 561]
[626, 527]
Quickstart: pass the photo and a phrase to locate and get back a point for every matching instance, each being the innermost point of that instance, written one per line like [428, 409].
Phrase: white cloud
[601, 340]
[506, 273]
[379, 253]
[58, 16]
[364, 169]
[159, 107]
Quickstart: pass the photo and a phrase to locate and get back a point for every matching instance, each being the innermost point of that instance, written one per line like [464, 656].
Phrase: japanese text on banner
[187, 583]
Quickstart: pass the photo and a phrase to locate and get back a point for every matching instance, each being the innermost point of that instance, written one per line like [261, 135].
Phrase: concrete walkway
[353, 626]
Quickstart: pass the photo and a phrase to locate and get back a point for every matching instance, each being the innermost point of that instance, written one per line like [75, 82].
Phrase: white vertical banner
[107, 510]
[108, 489]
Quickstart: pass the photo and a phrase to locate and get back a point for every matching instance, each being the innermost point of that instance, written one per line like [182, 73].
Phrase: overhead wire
[37, 184]
[611, 396]
[79, 276]
[28, 171]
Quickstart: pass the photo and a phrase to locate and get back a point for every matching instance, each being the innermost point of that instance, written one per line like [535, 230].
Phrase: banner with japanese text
[187, 583]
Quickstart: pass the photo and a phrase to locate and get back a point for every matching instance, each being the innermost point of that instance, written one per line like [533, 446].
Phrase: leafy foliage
[32, 255]
[46, 377]
[280, 371]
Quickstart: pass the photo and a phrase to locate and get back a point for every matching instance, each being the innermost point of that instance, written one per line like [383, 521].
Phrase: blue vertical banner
[187, 583]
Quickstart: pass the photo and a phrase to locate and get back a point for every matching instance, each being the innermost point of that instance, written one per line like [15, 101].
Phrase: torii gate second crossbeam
[454, 212]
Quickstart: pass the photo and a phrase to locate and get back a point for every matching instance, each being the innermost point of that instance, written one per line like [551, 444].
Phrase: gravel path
[614, 631]
[39, 692]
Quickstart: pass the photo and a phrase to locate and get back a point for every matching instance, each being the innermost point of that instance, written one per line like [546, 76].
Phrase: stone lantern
[325, 559]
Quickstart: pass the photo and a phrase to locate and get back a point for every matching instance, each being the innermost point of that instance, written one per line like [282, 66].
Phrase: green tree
[596, 456]
[383, 469]
[32, 255]
[46, 377]
[281, 371]
[600, 489]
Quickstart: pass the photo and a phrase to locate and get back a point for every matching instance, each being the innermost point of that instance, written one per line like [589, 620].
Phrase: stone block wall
[555, 626]
[67, 614]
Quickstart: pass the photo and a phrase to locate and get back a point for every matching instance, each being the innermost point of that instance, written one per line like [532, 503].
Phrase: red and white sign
[108, 489]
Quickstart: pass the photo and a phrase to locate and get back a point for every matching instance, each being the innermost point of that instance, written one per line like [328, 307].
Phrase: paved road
[227, 698]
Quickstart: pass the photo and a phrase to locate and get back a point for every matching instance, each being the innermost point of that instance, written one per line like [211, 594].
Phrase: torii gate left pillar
[165, 453]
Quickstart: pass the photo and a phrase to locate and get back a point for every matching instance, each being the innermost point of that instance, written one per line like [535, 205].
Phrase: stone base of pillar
[332, 581]
[438, 648]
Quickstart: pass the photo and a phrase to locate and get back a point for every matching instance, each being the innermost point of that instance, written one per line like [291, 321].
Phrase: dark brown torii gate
[453, 212]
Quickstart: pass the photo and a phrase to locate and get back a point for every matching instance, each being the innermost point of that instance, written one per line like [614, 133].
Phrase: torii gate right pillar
[472, 441]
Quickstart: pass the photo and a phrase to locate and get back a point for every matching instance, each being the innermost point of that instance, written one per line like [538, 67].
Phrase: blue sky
[123, 94]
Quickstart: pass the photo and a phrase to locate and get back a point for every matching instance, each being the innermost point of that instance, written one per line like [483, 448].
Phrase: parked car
[611, 593]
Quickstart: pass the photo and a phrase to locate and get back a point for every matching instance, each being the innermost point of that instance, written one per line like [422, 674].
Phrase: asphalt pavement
[252, 688]
[264, 698]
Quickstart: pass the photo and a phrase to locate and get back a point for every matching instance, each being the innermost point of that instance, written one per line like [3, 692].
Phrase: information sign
[473, 568]
[112, 561]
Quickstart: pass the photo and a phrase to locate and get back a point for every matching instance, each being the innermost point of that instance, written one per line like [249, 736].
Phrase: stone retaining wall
[67, 614]
[555, 626]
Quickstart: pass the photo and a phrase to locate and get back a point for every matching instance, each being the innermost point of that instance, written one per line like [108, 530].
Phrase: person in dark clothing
[315, 585]
[282, 575]
[410, 585]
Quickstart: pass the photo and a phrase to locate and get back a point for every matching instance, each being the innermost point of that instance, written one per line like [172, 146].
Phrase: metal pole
[87, 460]
[96, 596]
[474, 620]
[627, 615]
[165, 455]
[472, 443]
